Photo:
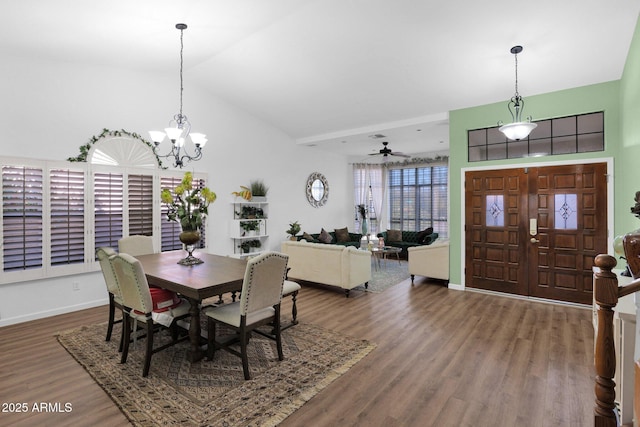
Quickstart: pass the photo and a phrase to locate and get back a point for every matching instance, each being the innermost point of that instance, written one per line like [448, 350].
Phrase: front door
[535, 231]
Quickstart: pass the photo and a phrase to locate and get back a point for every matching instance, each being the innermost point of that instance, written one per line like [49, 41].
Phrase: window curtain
[370, 190]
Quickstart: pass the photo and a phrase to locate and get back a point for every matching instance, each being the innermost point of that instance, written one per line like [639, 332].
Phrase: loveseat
[354, 239]
[335, 265]
[409, 239]
[430, 260]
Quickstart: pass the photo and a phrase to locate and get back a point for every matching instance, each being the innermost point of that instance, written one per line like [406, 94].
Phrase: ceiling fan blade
[395, 153]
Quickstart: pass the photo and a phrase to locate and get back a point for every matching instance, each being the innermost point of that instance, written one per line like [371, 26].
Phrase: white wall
[49, 109]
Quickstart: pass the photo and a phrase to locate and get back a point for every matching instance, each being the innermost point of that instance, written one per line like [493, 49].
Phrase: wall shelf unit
[248, 228]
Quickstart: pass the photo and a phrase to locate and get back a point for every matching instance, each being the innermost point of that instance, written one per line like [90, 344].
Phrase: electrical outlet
[76, 286]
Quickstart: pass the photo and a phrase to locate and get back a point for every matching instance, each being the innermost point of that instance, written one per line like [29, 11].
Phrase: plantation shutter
[22, 218]
[169, 230]
[66, 189]
[140, 201]
[108, 205]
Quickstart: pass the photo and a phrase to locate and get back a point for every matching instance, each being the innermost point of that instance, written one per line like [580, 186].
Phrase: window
[22, 218]
[418, 199]
[140, 200]
[563, 135]
[108, 194]
[369, 190]
[67, 216]
[55, 214]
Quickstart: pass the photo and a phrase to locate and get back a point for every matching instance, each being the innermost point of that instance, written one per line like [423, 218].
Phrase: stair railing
[606, 294]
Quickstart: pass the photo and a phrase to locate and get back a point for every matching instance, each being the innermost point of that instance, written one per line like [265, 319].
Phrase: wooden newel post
[606, 297]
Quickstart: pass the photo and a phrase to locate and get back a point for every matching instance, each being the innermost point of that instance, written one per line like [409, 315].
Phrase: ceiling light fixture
[179, 128]
[518, 129]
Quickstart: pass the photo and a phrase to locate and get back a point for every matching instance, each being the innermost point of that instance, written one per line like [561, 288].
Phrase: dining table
[217, 275]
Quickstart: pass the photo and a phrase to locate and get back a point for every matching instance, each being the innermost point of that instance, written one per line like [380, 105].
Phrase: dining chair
[136, 245]
[113, 288]
[138, 304]
[259, 305]
[292, 288]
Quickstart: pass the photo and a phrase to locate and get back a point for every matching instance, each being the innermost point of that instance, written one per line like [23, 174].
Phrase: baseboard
[54, 312]
[456, 287]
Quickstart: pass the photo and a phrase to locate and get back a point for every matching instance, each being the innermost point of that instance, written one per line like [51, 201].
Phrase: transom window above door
[581, 133]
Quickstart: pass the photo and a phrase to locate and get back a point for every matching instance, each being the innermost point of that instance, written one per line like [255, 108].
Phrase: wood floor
[443, 358]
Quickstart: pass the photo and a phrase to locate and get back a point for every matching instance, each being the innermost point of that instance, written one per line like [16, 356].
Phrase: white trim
[610, 187]
[54, 312]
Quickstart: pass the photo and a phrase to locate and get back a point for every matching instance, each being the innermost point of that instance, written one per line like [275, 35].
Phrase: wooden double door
[535, 231]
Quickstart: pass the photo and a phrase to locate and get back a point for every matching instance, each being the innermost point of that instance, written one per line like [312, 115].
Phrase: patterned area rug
[389, 273]
[214, 393]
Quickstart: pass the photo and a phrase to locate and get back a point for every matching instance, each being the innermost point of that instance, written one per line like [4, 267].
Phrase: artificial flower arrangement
[189, 206]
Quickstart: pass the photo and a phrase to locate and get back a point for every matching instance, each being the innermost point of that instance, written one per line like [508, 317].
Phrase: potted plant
[294, 228]
[188, 206]
[258, 190]
[250, 226]
[255, 244]
[245, 246]
[250, 212]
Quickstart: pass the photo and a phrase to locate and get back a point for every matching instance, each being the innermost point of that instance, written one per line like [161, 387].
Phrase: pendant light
[518, 129]
[179, 130]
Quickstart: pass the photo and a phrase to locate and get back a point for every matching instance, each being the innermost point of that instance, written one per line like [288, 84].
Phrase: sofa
[354, 239]
[430, 260]
[343, 266]
[409, 240]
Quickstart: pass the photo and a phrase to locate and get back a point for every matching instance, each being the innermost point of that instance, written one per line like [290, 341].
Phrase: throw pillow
[342, 235]
[394, 235]
[424, 233]
[308, 237]
[325, 237]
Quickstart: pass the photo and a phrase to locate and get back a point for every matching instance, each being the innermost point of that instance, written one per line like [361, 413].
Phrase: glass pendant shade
[517, 131]
[199, 139]
[157, 136]
[173, 133]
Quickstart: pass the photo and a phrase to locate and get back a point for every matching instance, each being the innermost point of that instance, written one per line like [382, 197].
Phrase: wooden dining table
[217, 275]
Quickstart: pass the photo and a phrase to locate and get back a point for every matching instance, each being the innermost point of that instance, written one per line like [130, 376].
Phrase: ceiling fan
[386, 151]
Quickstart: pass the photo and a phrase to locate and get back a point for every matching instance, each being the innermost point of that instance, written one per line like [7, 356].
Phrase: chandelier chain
[516, 56]
[181, 85]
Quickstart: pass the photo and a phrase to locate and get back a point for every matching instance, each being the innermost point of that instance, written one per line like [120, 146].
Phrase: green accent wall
[599, 97]
[627, 162]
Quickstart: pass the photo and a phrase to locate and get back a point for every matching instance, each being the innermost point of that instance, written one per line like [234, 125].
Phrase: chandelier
[179, 129]
[518, 129]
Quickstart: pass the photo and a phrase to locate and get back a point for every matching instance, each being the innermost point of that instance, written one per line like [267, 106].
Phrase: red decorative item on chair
[163, 299]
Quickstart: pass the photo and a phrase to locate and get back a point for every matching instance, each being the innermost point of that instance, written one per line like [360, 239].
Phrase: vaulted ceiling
[333, 72]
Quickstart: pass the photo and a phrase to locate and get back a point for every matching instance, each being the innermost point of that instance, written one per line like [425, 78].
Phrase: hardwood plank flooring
[443, 358]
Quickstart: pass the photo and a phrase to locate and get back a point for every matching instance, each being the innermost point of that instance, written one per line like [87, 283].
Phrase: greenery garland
[409, 161]
[84, 149]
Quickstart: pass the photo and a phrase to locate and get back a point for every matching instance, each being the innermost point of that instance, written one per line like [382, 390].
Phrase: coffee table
[384, 252]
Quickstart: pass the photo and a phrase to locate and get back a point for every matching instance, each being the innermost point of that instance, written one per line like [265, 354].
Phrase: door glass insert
[566, 211]
[495, 211]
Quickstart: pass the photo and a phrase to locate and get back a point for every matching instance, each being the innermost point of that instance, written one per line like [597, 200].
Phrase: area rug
[389, 273]
[214, 393]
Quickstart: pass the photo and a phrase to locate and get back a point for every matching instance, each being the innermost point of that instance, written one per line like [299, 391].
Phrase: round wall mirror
[317, 189]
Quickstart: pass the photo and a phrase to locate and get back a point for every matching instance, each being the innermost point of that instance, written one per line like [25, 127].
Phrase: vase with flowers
[362, 210]
[188, 206]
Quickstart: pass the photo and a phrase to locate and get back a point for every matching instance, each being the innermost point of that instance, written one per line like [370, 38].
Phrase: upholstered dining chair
[259, 305]
[136, 245]
[113, 288]
[136, 298]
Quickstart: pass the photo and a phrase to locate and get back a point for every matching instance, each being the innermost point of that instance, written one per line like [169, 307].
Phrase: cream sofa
[335, 265]
[430, 260]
